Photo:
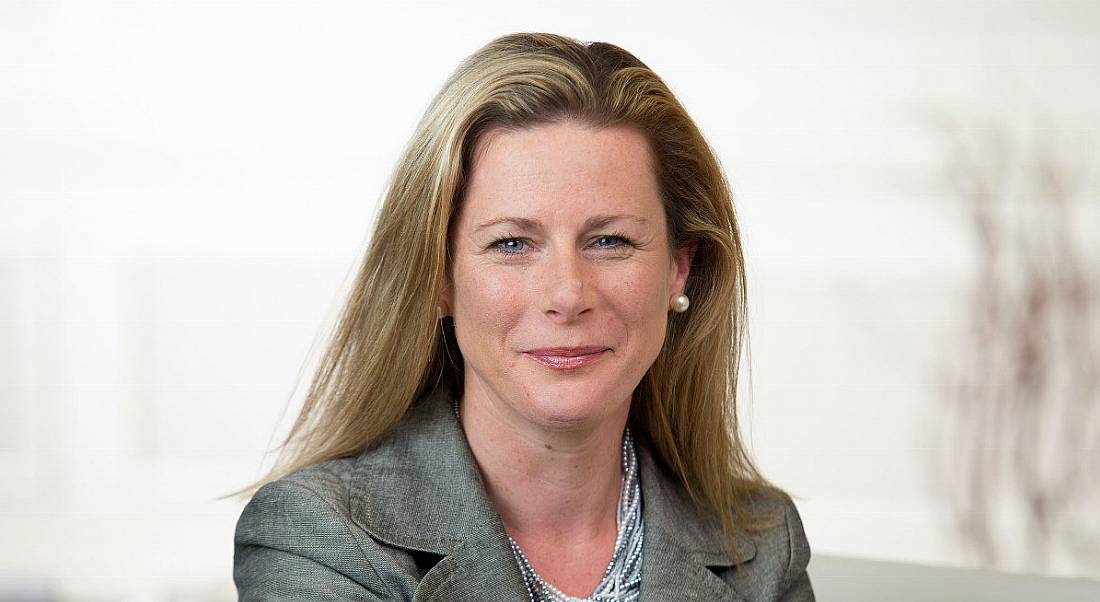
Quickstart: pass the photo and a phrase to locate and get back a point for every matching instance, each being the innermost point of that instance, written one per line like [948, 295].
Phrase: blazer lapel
[670, 574]
[420, 490]
[482, 568]
[682, 543]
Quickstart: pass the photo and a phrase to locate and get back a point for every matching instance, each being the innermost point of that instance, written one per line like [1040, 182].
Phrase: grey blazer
[409, 520]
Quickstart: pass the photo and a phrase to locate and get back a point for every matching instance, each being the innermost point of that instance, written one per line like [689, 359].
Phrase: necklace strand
[622, 579]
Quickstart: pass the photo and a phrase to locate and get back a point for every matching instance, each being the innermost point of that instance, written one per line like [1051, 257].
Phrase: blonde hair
[387, 348]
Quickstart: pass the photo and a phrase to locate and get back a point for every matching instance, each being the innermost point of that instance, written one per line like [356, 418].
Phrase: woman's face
[562, 273]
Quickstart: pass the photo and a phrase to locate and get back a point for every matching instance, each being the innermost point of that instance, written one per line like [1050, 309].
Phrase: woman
[530, 392]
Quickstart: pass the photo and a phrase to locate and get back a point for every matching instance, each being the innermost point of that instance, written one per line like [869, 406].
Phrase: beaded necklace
[623, 578]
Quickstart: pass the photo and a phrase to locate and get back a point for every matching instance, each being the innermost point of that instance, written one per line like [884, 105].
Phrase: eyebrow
[592, 223]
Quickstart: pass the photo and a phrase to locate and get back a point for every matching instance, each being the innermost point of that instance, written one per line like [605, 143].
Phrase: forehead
[564, 169]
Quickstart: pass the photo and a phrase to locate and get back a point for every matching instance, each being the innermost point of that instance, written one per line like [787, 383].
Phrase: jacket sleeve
[293, 544]
[796, 582]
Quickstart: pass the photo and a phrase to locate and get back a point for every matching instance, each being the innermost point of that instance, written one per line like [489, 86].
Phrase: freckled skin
[559, 279]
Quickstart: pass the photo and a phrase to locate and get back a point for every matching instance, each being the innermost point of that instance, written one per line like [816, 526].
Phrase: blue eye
[609, 241]
[615, 241]
[510, 245]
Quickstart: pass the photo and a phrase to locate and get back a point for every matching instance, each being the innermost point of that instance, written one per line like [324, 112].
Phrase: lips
[567, 358]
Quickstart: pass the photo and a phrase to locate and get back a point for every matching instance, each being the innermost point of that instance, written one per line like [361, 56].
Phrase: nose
[568, 290]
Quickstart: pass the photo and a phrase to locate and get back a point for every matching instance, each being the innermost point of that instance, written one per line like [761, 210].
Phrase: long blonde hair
[387, 348]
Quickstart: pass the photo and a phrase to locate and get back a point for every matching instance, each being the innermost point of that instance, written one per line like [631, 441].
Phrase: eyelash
[625, 242]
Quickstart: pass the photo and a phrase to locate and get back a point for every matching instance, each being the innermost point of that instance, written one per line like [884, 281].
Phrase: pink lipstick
[567, 358]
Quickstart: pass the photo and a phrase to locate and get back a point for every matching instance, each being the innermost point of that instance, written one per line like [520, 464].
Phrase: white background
[185, 188]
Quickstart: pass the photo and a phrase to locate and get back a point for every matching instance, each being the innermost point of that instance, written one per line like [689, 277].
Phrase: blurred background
[185, 188]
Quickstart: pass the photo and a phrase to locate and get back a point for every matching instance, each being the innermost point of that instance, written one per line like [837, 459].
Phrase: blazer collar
[685, 545]
[419, 489]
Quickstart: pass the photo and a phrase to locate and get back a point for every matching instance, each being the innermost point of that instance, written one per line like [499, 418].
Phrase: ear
[681, 265]
[446, 299]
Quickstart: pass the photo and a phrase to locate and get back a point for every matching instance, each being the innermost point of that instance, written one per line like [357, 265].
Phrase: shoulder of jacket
[783, 551]
[301, 526]
[328, 481]
[314, 491]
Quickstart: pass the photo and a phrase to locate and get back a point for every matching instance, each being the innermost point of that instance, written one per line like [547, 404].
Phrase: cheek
[488, 300]
[640, 297]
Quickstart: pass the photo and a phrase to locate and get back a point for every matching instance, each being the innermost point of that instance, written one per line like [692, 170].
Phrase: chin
[573, 407]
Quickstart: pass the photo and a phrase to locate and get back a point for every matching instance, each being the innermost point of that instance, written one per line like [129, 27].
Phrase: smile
[567, 358]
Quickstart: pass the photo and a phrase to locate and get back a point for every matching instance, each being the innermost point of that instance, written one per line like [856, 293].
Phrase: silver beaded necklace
[622, 580]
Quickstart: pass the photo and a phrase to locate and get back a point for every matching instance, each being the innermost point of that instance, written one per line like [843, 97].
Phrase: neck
[547, 485]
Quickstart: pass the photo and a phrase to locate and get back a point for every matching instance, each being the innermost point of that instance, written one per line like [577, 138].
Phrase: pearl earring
[680, 303]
